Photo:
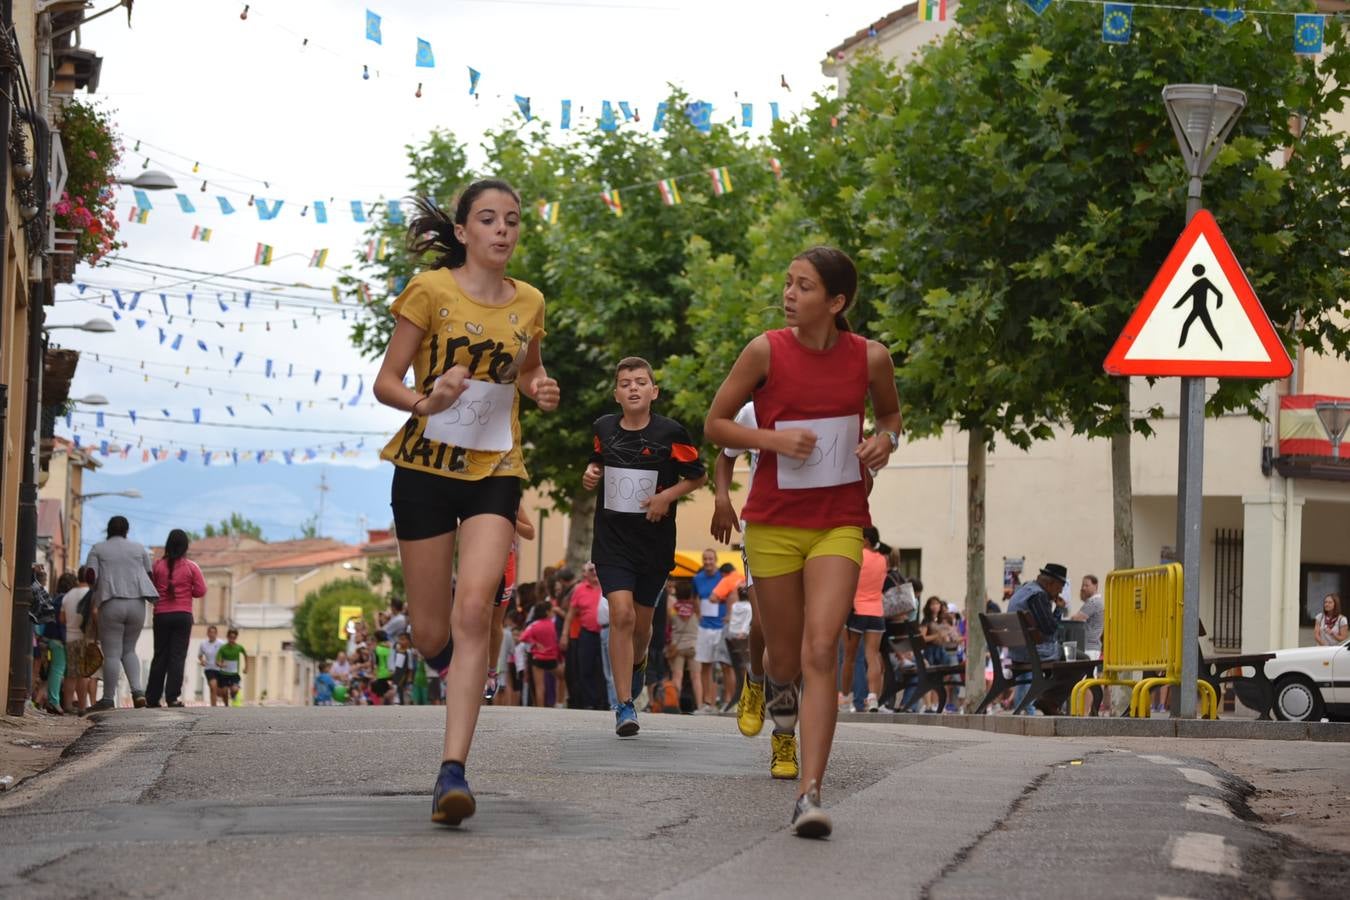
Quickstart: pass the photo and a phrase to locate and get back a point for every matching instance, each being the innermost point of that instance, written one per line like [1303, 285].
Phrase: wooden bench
[923, 677]
[1051, 680]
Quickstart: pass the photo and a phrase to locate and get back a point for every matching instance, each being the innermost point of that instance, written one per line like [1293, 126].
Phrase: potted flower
[85, 216]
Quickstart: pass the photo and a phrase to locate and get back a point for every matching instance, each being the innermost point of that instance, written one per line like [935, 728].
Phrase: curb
[1081, 727]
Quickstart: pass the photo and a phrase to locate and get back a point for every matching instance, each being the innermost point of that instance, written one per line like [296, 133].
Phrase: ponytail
[433, 230]
[841, 322]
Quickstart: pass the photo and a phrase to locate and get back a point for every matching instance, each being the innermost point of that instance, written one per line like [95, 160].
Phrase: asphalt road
[322, 802]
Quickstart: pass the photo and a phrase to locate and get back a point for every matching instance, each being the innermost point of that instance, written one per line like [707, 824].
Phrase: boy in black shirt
[646, 462]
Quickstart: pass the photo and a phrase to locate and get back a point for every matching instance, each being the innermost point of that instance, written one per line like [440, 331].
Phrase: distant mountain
[278, 497]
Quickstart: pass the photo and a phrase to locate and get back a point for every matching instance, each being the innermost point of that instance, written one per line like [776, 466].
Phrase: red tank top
[824, 390]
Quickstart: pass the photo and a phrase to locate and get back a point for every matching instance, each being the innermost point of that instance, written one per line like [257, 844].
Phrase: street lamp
[1202, 115]
[1334, 416]
[95, 326]
[130, 492]
[151, 180]
[91, 400]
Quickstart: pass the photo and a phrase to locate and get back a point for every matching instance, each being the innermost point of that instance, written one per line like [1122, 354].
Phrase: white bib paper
[479, 420]
[625, 489]
[832, 461]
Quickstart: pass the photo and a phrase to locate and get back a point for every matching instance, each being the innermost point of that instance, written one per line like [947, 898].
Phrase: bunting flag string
[252, 427]
[143, 317]
[1118, 19]
[108, 442]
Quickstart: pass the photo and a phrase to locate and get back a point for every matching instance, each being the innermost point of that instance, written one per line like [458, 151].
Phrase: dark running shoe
[451, 801]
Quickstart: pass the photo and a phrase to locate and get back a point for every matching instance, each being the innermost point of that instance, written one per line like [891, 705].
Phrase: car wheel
[1297, 699]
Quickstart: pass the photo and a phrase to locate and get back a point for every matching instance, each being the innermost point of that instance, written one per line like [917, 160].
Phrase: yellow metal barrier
[1142, 633]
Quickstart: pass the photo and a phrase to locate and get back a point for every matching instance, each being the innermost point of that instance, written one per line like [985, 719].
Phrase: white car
[1311, 683]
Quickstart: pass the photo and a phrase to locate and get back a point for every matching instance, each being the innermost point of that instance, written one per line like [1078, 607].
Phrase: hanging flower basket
[85, 210]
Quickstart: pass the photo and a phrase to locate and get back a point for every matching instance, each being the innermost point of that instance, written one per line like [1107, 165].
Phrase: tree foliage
[315, 623]
[236, 524]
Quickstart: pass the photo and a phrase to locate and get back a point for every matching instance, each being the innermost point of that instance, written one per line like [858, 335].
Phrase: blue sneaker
[625, 720]
[639, 678]
[451, 800]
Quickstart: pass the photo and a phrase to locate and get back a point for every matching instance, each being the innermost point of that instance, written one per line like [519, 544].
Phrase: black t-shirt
[637, 465]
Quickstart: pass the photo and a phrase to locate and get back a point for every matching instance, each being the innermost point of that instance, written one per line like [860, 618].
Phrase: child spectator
[323, 686]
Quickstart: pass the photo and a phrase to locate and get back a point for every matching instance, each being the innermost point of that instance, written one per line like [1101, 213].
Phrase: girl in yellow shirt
[472, 336]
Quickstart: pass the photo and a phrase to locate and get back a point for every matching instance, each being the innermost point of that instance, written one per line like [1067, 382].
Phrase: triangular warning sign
[1200, 317]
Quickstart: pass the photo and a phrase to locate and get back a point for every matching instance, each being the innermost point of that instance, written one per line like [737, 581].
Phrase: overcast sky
[265, 115]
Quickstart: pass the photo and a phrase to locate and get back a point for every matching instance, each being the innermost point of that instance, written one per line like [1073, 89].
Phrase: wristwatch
[895, 439]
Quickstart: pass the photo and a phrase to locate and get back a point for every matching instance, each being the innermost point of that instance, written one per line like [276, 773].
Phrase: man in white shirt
[206, 657]
[1093, 612]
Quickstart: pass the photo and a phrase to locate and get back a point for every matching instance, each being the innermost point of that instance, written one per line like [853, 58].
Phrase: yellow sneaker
[784, 764]
[750, 713]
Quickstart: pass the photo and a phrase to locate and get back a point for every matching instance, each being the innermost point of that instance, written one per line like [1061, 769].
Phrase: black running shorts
[427, 505]
[647, 588]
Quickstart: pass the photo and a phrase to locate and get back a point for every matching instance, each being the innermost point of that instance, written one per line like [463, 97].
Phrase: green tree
[309, 529]
[387, 571]
[236, 524]
[315, 623]
[1023, 187]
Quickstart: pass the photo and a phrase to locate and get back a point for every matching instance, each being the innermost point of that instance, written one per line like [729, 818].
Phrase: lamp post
[1334, 416]
[93, 326]
[151, 180]
[1202, 115]
[130, 492]
[90, 400]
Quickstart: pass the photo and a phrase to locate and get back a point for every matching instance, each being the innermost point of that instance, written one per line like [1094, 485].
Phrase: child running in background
[505, 600]
[807, 507]
[472, 336]
[647, 463]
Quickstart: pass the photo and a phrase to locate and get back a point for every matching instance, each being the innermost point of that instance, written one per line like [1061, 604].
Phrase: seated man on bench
[1036, 598]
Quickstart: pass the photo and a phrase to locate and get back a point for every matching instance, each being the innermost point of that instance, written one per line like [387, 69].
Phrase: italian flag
[670, 194]
[263, 255]
[612, 201]
[932, 10]
[201, 234]
[318, 259]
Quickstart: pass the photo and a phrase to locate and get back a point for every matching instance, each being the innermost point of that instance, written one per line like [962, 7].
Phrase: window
[1316, 580]
[911, 562]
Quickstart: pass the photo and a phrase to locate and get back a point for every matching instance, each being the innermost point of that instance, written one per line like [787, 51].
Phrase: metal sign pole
[1190, 502]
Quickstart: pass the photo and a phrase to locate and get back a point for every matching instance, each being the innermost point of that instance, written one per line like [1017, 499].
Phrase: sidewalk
[32, 743]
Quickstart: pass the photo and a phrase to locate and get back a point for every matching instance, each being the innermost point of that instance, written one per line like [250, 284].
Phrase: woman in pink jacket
[179, 582]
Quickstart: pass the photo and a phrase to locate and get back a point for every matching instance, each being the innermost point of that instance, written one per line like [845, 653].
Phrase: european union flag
[1308, 33]
[524, 104]
[1229, 17]
[660, 118]
[425, 59]
[607, 120]
[474, 75]
[1038, 6]
[699, 114]
[373, 28]
[566, 120]
[747, 115]
[1117, 23]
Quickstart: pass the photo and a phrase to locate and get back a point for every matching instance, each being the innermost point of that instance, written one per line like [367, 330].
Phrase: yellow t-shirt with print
[491, 341]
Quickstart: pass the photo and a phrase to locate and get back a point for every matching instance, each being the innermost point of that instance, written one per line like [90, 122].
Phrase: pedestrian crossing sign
[1200, 317]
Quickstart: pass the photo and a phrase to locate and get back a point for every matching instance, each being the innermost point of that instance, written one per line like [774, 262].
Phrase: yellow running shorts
[774, 550]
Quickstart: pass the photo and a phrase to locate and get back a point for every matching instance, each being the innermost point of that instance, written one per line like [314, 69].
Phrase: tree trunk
[1122, 490]
[975, 586]
[581, 529]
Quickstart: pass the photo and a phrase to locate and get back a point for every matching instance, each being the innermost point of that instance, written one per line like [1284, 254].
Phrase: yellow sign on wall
[348, 615]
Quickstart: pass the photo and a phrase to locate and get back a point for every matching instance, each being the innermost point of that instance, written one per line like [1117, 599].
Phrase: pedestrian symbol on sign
[1198, 294]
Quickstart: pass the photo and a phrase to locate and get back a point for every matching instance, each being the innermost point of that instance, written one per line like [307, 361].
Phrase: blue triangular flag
[474, 75]
[524, 104]
[196, 414]
[1038, 6]
[225, 207]
[626, 110]
[177, 342]
[164, 302]
[358, 211]
[394, 212]
[748, 115]
[566, 120]
[660, 118]
[373, 28]
[135, 299]
[117, 298]
[98, 420]
[185, 204]
[265, 212]
[202, 344]
[320, 212]
[607, 120]
[1229, 17]
[142, 200]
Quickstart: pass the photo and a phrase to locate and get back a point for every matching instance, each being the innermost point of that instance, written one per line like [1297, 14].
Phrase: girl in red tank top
[808, 500]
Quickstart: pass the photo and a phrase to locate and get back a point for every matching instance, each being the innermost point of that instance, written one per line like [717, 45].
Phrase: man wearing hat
[1037, 598]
